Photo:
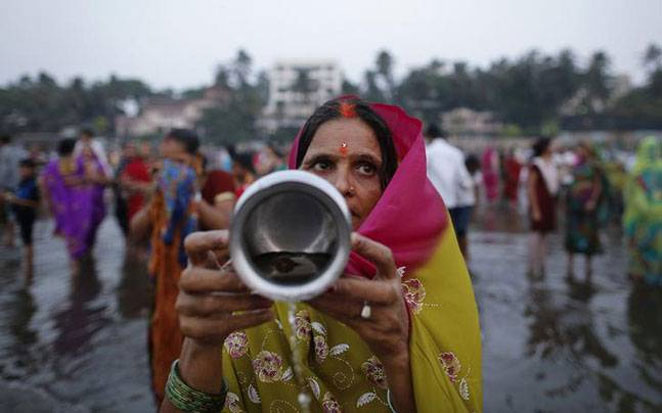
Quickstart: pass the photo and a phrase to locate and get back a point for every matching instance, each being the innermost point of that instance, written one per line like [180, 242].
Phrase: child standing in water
[24, 203]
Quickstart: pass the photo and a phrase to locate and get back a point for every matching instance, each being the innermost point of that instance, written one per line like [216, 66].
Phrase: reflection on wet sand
[134, 292]
[78, 341]
[645, 328]
[82, 317]
[21, 309]
[550, 344]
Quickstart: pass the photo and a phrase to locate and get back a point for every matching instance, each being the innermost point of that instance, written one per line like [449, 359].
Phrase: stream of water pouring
[304, 395]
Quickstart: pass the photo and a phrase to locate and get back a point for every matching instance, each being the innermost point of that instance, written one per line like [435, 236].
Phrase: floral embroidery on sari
[366, 398]
[374, 371]
[314, 387]
[330, 405]
[302, 325]
[321, 348]
[464, 389]
[236, 344]
[268, 366]
[253, 395]
[414, 294]
[451, 365]
[232, 403]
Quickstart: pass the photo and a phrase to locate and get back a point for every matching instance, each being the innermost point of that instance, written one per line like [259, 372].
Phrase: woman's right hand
[212, 302]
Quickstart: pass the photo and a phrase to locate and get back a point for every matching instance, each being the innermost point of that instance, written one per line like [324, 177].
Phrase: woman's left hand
[386, 330]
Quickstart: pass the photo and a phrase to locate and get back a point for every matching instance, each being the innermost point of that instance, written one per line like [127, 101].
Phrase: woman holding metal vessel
[398, 332]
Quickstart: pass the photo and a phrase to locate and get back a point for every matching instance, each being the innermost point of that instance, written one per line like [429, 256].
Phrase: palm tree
[385, 70]
[653, 57]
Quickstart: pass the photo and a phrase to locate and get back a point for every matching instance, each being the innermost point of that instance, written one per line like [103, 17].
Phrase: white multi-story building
[296, 88]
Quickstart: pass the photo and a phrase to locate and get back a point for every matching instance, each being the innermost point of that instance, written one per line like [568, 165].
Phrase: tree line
[532, 94]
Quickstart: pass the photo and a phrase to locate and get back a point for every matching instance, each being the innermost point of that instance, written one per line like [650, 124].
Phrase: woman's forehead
[352, 134]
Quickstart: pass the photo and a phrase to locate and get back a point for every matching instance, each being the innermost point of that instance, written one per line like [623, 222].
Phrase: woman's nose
[343, 182]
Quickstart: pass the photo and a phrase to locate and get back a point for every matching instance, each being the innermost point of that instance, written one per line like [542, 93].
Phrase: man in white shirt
[449, 175]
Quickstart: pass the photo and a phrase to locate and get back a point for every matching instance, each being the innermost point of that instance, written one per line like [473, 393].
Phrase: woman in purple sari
[96, 179]
[71, 202]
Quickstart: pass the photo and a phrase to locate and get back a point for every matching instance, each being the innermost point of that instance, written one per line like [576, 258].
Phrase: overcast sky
[178, 43]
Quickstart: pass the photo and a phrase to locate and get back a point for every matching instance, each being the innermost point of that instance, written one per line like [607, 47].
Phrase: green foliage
[42, 105]
[511, 131]
[550, 128]
[644, 103]
[535, 93]
[349, 88]
[526, 92]
[234, 120]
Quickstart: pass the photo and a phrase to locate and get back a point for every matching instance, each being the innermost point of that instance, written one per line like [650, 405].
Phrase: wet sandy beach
[548, 344]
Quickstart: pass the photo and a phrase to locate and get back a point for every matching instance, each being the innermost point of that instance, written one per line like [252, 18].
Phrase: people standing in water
[473, 167]
[582, 200]
[512, 168]
[542, 190]
[491, 171]
[10, 156]
[69, 200]
[95, 180]
[176, 209]
[24, 202]
[642, 219]
[92, 156]
[133, 180]
[449, 175]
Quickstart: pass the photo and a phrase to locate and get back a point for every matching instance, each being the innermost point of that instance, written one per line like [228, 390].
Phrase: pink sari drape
[410, 216]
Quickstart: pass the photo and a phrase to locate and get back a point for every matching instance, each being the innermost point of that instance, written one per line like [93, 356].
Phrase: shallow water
[74, 343]
[549, 345]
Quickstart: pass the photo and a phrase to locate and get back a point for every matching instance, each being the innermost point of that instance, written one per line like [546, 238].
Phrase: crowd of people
[158, 199]
[580, 190]
[375, 155]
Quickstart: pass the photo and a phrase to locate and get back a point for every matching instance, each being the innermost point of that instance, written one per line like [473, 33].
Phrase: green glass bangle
[188, 399]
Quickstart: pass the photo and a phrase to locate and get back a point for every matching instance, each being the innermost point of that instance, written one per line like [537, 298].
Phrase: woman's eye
[367, 169]
[321, 166]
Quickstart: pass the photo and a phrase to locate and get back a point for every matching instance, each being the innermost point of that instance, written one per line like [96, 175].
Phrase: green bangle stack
[188, 399]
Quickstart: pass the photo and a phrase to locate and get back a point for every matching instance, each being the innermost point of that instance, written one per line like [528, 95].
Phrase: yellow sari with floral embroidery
[338, 372]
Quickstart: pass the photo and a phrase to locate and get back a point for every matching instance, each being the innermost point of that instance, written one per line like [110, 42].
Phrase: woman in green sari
[417, 349]
[643, 214]
[582, 201]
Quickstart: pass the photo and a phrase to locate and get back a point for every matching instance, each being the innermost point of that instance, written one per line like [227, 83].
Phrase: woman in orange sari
[176, 209]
